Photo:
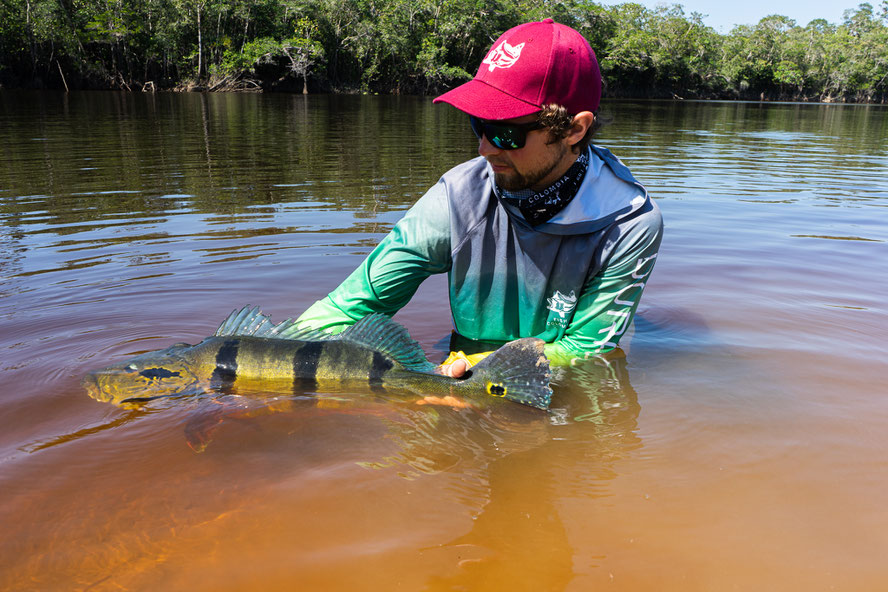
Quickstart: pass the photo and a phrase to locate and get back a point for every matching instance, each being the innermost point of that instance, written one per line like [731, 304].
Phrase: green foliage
[659, 49]
[429, 45]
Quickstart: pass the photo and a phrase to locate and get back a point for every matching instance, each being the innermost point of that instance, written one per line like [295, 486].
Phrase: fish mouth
[94, 388]
[108, 392]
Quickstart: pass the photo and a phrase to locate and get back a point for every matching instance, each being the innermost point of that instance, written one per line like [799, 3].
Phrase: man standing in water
[543, 235]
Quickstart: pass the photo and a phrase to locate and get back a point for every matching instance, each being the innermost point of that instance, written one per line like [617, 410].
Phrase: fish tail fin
[517, 371]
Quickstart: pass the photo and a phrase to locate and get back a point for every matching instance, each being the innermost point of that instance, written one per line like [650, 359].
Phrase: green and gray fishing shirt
[574, 281]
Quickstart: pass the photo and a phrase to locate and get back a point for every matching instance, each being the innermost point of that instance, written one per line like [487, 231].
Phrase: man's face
[535, 166]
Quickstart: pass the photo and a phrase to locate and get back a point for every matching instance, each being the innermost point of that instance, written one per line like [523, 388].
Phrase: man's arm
[609, 300]
[417, 247]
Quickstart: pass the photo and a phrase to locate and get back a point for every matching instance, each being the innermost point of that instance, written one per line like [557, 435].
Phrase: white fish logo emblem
[503, 55]
[562, 304]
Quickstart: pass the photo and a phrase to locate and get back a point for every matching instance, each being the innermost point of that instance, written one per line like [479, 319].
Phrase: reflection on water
[83, 432]
[745, 452]
[592, 426]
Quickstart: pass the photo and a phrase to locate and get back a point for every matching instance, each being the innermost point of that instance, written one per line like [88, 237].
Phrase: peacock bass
[375, 353]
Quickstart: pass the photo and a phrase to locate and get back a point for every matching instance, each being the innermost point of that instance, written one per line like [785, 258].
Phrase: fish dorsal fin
[246, 321]
[250, 321]
[379, 332]
[290, 330]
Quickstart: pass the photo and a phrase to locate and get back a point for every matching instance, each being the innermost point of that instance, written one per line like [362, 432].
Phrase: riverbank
[423, 48]
[249, 85]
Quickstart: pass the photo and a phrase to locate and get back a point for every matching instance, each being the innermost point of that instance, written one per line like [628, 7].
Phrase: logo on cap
[503, 55]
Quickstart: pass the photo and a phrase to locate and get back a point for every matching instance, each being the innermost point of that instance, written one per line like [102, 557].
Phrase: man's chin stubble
[513, 182]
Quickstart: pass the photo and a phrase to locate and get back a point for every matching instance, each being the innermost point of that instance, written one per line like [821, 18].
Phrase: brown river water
[737, 441]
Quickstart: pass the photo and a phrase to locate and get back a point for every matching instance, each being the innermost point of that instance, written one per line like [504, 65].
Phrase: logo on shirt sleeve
[561, 305]
[503, 55]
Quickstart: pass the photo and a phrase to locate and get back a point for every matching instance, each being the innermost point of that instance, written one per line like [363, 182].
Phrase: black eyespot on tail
[497, 390]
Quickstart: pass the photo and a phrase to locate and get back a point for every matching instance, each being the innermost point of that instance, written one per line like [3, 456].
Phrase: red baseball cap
[530, 66]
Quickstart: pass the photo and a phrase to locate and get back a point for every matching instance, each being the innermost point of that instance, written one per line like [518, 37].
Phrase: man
[542, 235]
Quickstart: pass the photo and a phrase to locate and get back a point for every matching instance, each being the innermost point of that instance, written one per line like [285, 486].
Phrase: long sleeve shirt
[574, 281]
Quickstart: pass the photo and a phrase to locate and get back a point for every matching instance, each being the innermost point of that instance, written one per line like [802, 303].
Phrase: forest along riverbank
[423, 47]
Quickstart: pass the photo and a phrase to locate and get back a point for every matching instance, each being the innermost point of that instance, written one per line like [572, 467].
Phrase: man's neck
[538, 207]
[563, 166]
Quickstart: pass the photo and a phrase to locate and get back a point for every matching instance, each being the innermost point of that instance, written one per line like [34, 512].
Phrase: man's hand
[448, 401]
[455, 366]
[456, 369]
[458, 363]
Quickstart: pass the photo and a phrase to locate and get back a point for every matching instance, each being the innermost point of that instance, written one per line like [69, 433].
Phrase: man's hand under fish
[456, 365]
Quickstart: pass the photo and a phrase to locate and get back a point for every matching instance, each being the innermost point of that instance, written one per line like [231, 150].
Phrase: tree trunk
[31, 37]
[199, 43]
[246, 30]
[217, 58]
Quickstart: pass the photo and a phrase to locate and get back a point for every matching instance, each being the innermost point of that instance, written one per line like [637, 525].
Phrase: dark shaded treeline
[423, 46]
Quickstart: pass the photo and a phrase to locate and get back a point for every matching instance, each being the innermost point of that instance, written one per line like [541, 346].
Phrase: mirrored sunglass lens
[503, 136]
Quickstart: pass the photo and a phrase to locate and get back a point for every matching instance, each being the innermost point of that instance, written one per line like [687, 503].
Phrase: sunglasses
[505, 136]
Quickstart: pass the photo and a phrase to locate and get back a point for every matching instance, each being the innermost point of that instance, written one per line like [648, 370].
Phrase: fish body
[375, 353]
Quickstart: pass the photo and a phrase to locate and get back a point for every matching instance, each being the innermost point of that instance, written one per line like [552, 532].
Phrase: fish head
[147, 376]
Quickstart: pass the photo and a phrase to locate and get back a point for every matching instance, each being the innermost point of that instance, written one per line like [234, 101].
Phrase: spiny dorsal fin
[245, 321]
[381, 333]
[250, 321]
[290, 330]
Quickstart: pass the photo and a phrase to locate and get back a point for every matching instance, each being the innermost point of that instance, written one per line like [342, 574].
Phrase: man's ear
[581, 124]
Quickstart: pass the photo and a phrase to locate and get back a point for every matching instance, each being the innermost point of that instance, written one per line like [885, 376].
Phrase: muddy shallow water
[737, 440]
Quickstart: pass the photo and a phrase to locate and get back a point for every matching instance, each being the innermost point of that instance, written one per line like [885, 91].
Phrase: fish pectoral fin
[203, 422]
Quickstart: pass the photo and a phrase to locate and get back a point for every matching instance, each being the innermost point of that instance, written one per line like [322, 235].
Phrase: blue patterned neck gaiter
[540, 206]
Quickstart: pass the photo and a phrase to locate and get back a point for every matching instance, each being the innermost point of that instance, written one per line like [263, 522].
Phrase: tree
[428, 45]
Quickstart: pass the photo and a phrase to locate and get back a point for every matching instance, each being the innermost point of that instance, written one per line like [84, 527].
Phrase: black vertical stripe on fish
[225, 372]
[305, 366]
[381, 365]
